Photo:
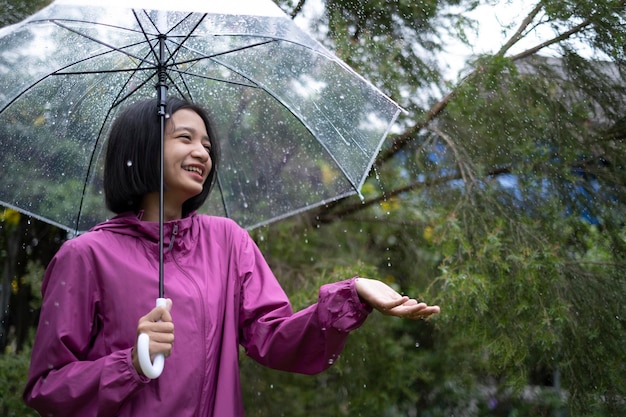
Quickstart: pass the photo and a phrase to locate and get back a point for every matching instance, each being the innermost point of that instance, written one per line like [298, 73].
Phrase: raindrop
[417, 344]
[129, 163]
[331, 361]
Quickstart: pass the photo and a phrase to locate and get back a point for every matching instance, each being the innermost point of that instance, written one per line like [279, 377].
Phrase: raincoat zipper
[174, 233]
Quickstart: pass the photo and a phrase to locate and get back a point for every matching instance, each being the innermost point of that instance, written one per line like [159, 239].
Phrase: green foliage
[13, 374]
[12, 11]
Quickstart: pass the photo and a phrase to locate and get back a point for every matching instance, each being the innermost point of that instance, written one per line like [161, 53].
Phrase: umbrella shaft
[162, 103]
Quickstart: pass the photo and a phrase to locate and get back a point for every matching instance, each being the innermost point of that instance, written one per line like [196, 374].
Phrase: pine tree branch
[522, 27]
[561, 37]
[296, 11]
[326, 215]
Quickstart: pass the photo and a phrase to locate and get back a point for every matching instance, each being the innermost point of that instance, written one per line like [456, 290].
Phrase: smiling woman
[135, 137]
[85, 359]
[187, 164]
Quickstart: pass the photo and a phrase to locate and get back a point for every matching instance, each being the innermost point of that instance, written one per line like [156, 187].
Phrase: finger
[159, 314]
[157, 348]
[150, 327]
[389, 305]
[416, 311]
[161, 337]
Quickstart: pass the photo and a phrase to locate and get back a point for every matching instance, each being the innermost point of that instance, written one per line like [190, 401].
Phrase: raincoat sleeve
[64, 378]
[308, 341]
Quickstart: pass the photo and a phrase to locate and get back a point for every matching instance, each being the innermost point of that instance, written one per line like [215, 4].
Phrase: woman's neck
[150, 207]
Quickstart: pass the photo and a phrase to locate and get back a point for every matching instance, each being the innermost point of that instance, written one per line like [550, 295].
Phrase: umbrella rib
[91, 38]
[208, 77]
[230, 51]
[145, 35]
[116, 102]
[187, 35]
[282, 103]
[219, 186]
[196, 60]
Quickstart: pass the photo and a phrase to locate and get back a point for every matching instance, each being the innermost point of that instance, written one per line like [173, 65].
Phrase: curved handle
[150, 369]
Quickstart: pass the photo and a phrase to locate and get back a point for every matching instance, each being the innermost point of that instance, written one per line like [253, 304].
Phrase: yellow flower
[39, 121]
[328, 174]
[10, 216]
[390, 204]
[428, 234]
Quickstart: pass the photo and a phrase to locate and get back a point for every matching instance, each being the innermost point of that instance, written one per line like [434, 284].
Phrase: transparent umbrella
[297, 127]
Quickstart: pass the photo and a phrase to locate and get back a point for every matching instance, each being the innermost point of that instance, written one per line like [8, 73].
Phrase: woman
[222, 294]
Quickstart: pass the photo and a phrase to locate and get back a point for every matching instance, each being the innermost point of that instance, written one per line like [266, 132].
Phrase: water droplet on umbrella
[129, 163]
[331, 361]
[56, 303]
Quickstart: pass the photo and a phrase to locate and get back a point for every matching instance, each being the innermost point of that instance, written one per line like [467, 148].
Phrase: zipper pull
[174, 233]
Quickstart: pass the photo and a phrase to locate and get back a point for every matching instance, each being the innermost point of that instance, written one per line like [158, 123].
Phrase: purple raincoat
[99, 284]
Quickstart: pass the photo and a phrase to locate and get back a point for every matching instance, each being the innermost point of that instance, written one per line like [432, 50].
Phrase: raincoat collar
[130, 224]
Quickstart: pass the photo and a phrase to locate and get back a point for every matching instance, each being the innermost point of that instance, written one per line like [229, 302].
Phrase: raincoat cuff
[364, 305]
[341, 307]
[141, 379]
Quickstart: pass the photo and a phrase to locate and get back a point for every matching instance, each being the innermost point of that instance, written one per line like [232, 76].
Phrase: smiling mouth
[194, 169]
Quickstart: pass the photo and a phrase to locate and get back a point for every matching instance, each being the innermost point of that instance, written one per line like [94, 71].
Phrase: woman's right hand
[158, 325]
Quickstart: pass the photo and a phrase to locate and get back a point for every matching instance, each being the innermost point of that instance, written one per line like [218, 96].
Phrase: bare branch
[402, 140]
[463, 169]
[522, 27]
[294, 13]
[326, 215]
[561, 37]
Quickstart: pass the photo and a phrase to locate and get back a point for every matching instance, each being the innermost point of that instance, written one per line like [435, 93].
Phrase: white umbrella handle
[151, 370]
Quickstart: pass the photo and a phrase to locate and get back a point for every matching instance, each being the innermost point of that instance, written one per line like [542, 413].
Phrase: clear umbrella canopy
[297, 127]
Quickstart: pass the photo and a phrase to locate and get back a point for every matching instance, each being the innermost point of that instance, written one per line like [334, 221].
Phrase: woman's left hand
[389, 302]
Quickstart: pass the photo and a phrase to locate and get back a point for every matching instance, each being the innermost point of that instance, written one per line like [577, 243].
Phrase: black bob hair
[131, 167]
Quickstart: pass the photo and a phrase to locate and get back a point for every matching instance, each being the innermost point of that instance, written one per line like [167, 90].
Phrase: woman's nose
[200, 151]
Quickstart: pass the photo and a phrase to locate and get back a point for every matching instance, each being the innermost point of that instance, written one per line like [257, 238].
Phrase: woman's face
[187, 162]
